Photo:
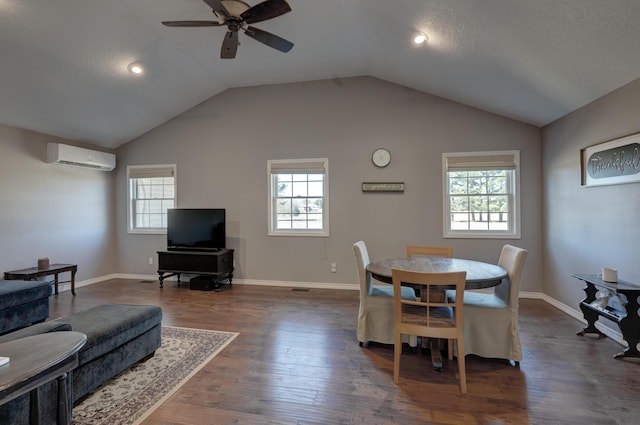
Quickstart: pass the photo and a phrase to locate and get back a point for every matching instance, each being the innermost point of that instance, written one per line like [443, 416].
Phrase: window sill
[475, 235]
[321, 234]
[147, 231]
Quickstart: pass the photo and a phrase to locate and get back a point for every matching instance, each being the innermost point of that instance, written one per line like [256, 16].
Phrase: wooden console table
[216, 264]
[33, 273]
[626, 317]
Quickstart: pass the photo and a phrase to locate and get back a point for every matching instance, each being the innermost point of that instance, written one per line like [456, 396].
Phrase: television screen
[196, 229]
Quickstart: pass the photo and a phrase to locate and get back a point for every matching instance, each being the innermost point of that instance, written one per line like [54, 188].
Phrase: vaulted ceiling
[64, 63]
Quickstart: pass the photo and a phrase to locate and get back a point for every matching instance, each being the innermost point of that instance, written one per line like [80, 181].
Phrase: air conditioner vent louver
[80, 164]
[58, 153]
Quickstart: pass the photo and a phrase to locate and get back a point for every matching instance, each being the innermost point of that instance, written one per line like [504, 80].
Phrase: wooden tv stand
[626, 318]
[217, 264]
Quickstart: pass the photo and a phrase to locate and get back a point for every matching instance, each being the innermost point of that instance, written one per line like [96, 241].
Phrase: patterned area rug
[131, 396]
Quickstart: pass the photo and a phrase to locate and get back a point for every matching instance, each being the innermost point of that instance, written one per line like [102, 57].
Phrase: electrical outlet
[333, 267]
[151, 260]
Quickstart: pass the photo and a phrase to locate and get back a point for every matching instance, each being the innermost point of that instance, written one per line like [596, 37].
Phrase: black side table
[626, 318]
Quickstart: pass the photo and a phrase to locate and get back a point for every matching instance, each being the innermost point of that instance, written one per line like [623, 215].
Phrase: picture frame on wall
[613, 162]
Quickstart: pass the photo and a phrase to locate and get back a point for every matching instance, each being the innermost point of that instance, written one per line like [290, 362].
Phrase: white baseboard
[308, 285]
[615, 335]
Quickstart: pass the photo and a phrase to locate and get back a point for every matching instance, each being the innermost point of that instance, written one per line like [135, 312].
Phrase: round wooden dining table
[479, 275]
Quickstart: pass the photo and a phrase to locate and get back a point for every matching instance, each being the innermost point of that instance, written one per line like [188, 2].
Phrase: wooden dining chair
[430, 251]
[427, 317]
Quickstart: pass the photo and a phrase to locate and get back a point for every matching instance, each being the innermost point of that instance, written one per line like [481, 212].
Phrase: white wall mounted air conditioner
[57, 153]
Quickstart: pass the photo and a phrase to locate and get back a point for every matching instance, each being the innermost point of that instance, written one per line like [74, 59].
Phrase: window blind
[297, 166]
[150, 172]
[482, 161]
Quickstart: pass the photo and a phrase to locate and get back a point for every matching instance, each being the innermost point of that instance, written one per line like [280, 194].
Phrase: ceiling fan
[237, 15]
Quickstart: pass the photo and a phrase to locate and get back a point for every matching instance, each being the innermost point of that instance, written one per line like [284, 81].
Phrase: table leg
[589, 315]
[73, 282]
[436, 355]
[34, 407]
[55, 282]
[630, 327]
[63, 400]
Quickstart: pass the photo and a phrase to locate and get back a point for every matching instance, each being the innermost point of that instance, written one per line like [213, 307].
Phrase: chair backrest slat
[431, 251]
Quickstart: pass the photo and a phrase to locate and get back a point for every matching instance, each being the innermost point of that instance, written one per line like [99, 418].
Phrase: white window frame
[147, 171]
[476, 161]
[292, 166]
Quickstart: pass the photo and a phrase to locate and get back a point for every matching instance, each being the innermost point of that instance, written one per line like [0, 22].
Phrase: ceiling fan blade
[269, 39]
[192, 23]
[266, 10]
[229, 45]
[218, 7]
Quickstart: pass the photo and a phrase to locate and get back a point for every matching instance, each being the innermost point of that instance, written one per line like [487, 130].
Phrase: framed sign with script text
[613, 162]
[383, 187]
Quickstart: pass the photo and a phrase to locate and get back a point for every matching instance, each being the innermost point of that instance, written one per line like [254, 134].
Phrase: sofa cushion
[108, 326]
[23, 302]
[18, 292]
[37, 329]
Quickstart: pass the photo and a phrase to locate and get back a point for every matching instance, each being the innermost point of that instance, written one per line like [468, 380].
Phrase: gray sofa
[23, 302]
[118, 336]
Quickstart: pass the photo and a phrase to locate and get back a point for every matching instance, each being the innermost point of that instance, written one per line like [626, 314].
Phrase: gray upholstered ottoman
[118, 336]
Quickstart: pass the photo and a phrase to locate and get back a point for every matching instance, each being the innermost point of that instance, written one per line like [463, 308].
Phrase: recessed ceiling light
[135, 68]
[421, 38]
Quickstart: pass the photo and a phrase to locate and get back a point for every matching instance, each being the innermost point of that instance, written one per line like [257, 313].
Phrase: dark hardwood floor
[297, 361]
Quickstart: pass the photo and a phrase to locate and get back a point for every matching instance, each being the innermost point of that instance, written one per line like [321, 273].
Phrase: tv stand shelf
[217, 264]
[626, 315]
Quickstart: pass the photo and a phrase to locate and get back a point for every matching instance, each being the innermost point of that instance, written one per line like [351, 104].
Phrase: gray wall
[221, 148]
[63, 213]
[586, 228]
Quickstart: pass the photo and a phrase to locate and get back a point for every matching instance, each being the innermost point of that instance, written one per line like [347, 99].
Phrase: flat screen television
[196, 229]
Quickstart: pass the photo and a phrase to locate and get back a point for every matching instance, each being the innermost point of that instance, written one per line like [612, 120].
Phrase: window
[298, 197]
[481, 191]
[152, 191]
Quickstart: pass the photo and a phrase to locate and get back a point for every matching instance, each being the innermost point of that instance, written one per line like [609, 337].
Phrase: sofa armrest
[38, 328]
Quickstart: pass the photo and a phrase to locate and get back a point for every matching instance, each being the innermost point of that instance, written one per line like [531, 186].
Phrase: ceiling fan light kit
[237, 15]
[135, 68]
[421, 38]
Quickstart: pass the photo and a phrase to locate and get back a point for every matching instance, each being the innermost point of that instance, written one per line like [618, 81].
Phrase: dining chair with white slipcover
[375, 315]
[491, 320]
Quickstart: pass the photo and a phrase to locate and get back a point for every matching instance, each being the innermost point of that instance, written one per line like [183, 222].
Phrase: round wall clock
[381, 157]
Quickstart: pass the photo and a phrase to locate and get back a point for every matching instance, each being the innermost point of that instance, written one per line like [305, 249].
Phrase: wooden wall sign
[382, 187]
